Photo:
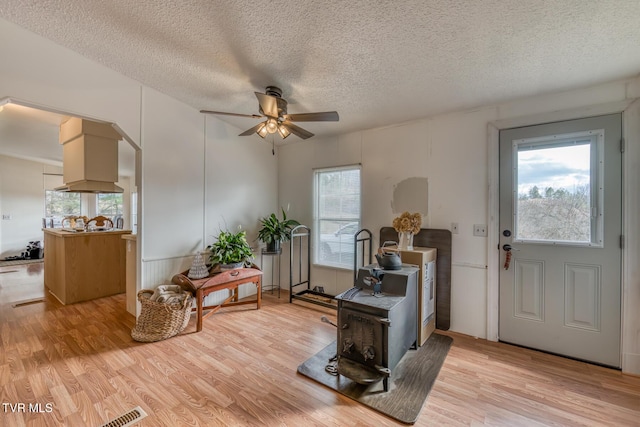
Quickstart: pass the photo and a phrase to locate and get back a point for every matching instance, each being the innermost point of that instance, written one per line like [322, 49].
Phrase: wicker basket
[158, 320]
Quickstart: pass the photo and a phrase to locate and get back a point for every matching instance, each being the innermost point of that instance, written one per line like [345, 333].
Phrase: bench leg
[259, 289]
[199, 302]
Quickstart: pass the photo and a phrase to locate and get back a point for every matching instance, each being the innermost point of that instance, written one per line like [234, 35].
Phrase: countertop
[68, 232]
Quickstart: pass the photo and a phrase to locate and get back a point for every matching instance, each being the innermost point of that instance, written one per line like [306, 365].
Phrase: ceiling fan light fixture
[283, 131]
[272, 125]
[273, 110]
[262, 130]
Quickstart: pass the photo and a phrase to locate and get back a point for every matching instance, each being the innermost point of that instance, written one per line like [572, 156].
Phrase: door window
[557, 189]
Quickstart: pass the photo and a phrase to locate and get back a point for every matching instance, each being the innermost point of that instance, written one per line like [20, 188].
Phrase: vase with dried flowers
[407, 225]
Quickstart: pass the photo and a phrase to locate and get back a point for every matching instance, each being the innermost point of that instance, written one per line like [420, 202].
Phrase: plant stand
[273, 255]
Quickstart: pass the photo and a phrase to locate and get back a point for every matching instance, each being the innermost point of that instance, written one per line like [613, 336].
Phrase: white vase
[405, 240]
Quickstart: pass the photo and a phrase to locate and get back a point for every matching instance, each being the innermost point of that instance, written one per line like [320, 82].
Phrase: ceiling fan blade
[297, 130]
[221, 113]
[327, 116]
[269, 104]
[252, 130]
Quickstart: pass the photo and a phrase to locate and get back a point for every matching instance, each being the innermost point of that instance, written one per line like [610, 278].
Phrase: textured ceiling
[375, 62]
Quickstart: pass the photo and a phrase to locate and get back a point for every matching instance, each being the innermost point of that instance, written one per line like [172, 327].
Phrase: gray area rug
[410, 383]
[20, 262]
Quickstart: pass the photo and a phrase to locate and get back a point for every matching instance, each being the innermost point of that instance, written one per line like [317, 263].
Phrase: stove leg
[387, 374]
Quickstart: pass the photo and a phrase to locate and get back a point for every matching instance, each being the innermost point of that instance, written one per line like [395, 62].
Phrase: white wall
[450, 156]
[173, 177]
[180, 176]
[21, 197]
[241, 181]
[452, 151]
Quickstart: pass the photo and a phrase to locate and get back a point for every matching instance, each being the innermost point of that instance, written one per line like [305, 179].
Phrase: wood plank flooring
[79, 363]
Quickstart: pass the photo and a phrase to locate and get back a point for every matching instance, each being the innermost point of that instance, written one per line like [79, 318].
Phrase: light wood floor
[241, 370]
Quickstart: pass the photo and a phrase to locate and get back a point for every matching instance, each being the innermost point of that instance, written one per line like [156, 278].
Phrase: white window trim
[316, 219]
[596, 142]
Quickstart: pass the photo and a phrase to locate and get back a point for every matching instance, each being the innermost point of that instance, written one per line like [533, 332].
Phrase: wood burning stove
[376, 323]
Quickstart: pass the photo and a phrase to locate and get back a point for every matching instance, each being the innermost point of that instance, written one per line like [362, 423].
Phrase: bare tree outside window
[58, 204]
[555, 214]
[109, 204]
[555, 190]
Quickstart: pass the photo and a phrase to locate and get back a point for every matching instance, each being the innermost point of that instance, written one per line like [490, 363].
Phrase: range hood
[89, 157]
[88, 186]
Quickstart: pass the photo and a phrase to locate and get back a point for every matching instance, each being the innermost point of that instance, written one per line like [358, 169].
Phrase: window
[109, 204]
[58, 204]
[559, 191]
[336, 215]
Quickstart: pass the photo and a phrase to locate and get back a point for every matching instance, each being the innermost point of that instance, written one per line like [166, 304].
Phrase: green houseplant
[275, 231]
[230, 250]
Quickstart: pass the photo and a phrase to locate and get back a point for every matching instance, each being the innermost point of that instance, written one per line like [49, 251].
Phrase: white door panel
[560, 212]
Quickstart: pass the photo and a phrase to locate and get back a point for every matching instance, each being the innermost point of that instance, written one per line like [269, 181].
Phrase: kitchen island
[81, 265]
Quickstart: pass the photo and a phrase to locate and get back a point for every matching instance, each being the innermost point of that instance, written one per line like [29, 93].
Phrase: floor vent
[130, 418]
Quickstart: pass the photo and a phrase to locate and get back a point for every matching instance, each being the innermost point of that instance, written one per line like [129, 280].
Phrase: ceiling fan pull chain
[273, 146]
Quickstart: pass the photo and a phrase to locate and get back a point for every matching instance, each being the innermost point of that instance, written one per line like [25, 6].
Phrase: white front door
[560, 214]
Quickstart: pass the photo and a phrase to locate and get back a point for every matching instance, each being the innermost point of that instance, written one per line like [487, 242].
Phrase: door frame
[137, 172]
[630, 271]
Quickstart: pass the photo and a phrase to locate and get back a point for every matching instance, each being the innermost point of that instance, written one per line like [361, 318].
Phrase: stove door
[362, 337]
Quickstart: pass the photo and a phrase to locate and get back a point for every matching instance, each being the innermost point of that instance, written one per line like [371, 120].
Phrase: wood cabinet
[425, 259]
[84, 266]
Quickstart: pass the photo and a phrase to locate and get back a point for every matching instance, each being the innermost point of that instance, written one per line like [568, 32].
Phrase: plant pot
[232, 266]
[273, 246]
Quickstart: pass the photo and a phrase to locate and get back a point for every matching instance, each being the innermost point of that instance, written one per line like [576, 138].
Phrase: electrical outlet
[454, 228]
[480, 230]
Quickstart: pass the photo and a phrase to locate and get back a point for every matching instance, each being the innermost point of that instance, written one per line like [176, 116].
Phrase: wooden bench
[217, 281]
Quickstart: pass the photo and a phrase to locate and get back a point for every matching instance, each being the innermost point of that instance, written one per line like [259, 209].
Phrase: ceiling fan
[273, 107]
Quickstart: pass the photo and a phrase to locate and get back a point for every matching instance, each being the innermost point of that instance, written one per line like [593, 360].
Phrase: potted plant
[275, 231]
[231, 250]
